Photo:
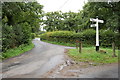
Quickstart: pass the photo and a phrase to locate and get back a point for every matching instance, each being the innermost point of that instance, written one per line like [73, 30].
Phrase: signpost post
[97, 30]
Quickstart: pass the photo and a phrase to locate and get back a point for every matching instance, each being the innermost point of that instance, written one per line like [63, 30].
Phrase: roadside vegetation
[71, 26]
[66, 28]
[20, 24]
[90, 55]
[87, 37]
[16, 51]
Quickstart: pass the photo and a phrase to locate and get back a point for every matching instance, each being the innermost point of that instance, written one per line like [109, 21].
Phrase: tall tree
[19, 19]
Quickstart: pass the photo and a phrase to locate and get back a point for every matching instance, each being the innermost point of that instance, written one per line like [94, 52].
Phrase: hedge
[87, 37]
[33, 35]
[14, 36]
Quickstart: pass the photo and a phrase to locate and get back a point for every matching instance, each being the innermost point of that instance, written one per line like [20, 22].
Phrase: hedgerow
[14, 36]
[86, 37]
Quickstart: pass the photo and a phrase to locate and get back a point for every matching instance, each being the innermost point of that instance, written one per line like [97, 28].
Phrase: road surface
[44, 57]
[104, 71]
[34, 63]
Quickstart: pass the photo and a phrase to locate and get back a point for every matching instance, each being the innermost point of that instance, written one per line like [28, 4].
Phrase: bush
[33, 35]
[39, 33]
[69, 36]
[88, 37]
[26, 30]
[8, 37]
[107, 37]
[14, 36]
[117, 39]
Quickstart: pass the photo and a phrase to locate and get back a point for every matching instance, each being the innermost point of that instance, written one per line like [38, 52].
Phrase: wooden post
[77, 44]
[80, 47]
[113, 46]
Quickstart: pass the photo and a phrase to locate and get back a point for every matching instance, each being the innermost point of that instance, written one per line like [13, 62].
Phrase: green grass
[90, 55]
[17, 51]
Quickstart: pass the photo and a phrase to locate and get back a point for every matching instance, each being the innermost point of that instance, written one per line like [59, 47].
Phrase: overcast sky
[63, 5]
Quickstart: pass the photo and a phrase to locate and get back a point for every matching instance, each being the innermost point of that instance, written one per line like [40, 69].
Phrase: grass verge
[17, 51]
[90, 55]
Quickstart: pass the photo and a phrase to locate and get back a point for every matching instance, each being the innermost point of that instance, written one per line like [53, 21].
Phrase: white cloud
[63, 5]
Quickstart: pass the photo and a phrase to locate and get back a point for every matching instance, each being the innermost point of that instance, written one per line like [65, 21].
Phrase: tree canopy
[109, 12]
[19, 20]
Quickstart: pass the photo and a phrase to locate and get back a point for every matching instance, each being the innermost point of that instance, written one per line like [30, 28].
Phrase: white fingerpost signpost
[97, 30]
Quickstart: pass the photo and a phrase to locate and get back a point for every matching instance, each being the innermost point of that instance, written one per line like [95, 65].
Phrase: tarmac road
[42, 58]
[34, 63]
[103, 71]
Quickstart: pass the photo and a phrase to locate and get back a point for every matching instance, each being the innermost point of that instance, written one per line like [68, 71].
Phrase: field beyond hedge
[87, 37]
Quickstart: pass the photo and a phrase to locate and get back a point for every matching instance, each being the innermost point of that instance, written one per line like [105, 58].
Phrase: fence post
[80, 47]
[77, 44]
[113, 46]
